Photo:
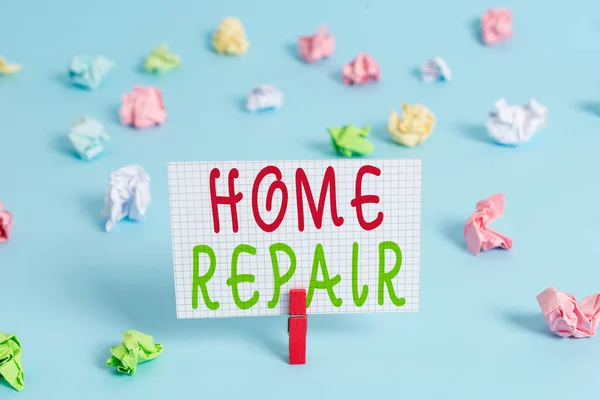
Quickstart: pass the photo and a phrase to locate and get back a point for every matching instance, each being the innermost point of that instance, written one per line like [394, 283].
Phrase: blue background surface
[69, 290]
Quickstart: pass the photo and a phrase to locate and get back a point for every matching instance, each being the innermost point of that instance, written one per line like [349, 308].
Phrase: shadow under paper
[63, 78]
[336, 75]
[530, 321]
[415, 72]
[379, 133]
[102, 354]
[208, 39]
[475, 29]
[292, 50]
[142, 297]
[477, 133]
[324, 147]
[140, 69]
[453, 231]
[92, 207]
[591, 107]
[62, 145]
[112, 112]
[241, 104]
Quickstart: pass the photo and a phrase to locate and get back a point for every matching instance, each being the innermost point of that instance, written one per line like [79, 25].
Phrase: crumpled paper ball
[513, 125]
[143, 108]
[7, 68]
[264, 97]
[478, 235]
[137, 348]
[315, 47]
[435, 70]
[89, 72]
[11, 361]
[414, 127]
[87, 136]
[6, 222]
[566, 317]
[128, 195]
[161, 60]
[230, 38]
[496, 25]
[362, 69]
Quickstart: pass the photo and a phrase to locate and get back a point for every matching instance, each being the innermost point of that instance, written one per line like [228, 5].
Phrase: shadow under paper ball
[530, 321]
[476, 132]
[475, 28]
[590, 107]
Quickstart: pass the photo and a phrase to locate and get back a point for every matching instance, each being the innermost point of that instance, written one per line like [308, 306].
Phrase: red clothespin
[297, 325]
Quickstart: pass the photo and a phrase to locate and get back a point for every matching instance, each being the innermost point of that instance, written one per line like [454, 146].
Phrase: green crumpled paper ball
[11, 361]
[136, 348]
[161, 60]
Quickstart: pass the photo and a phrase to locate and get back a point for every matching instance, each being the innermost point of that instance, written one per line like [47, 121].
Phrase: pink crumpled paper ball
[6, 221]
[363, 69]
[566, 317]
[143, 108]
[496, 25]
[477, 234]
[315, 47]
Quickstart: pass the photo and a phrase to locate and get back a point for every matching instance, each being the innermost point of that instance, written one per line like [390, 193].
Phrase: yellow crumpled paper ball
[8, 68]
[414, 127]
[230, 37]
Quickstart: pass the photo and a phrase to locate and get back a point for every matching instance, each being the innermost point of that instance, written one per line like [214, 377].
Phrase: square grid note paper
[245, 233]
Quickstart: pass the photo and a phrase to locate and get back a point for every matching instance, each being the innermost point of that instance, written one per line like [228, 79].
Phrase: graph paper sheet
[360, 258]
